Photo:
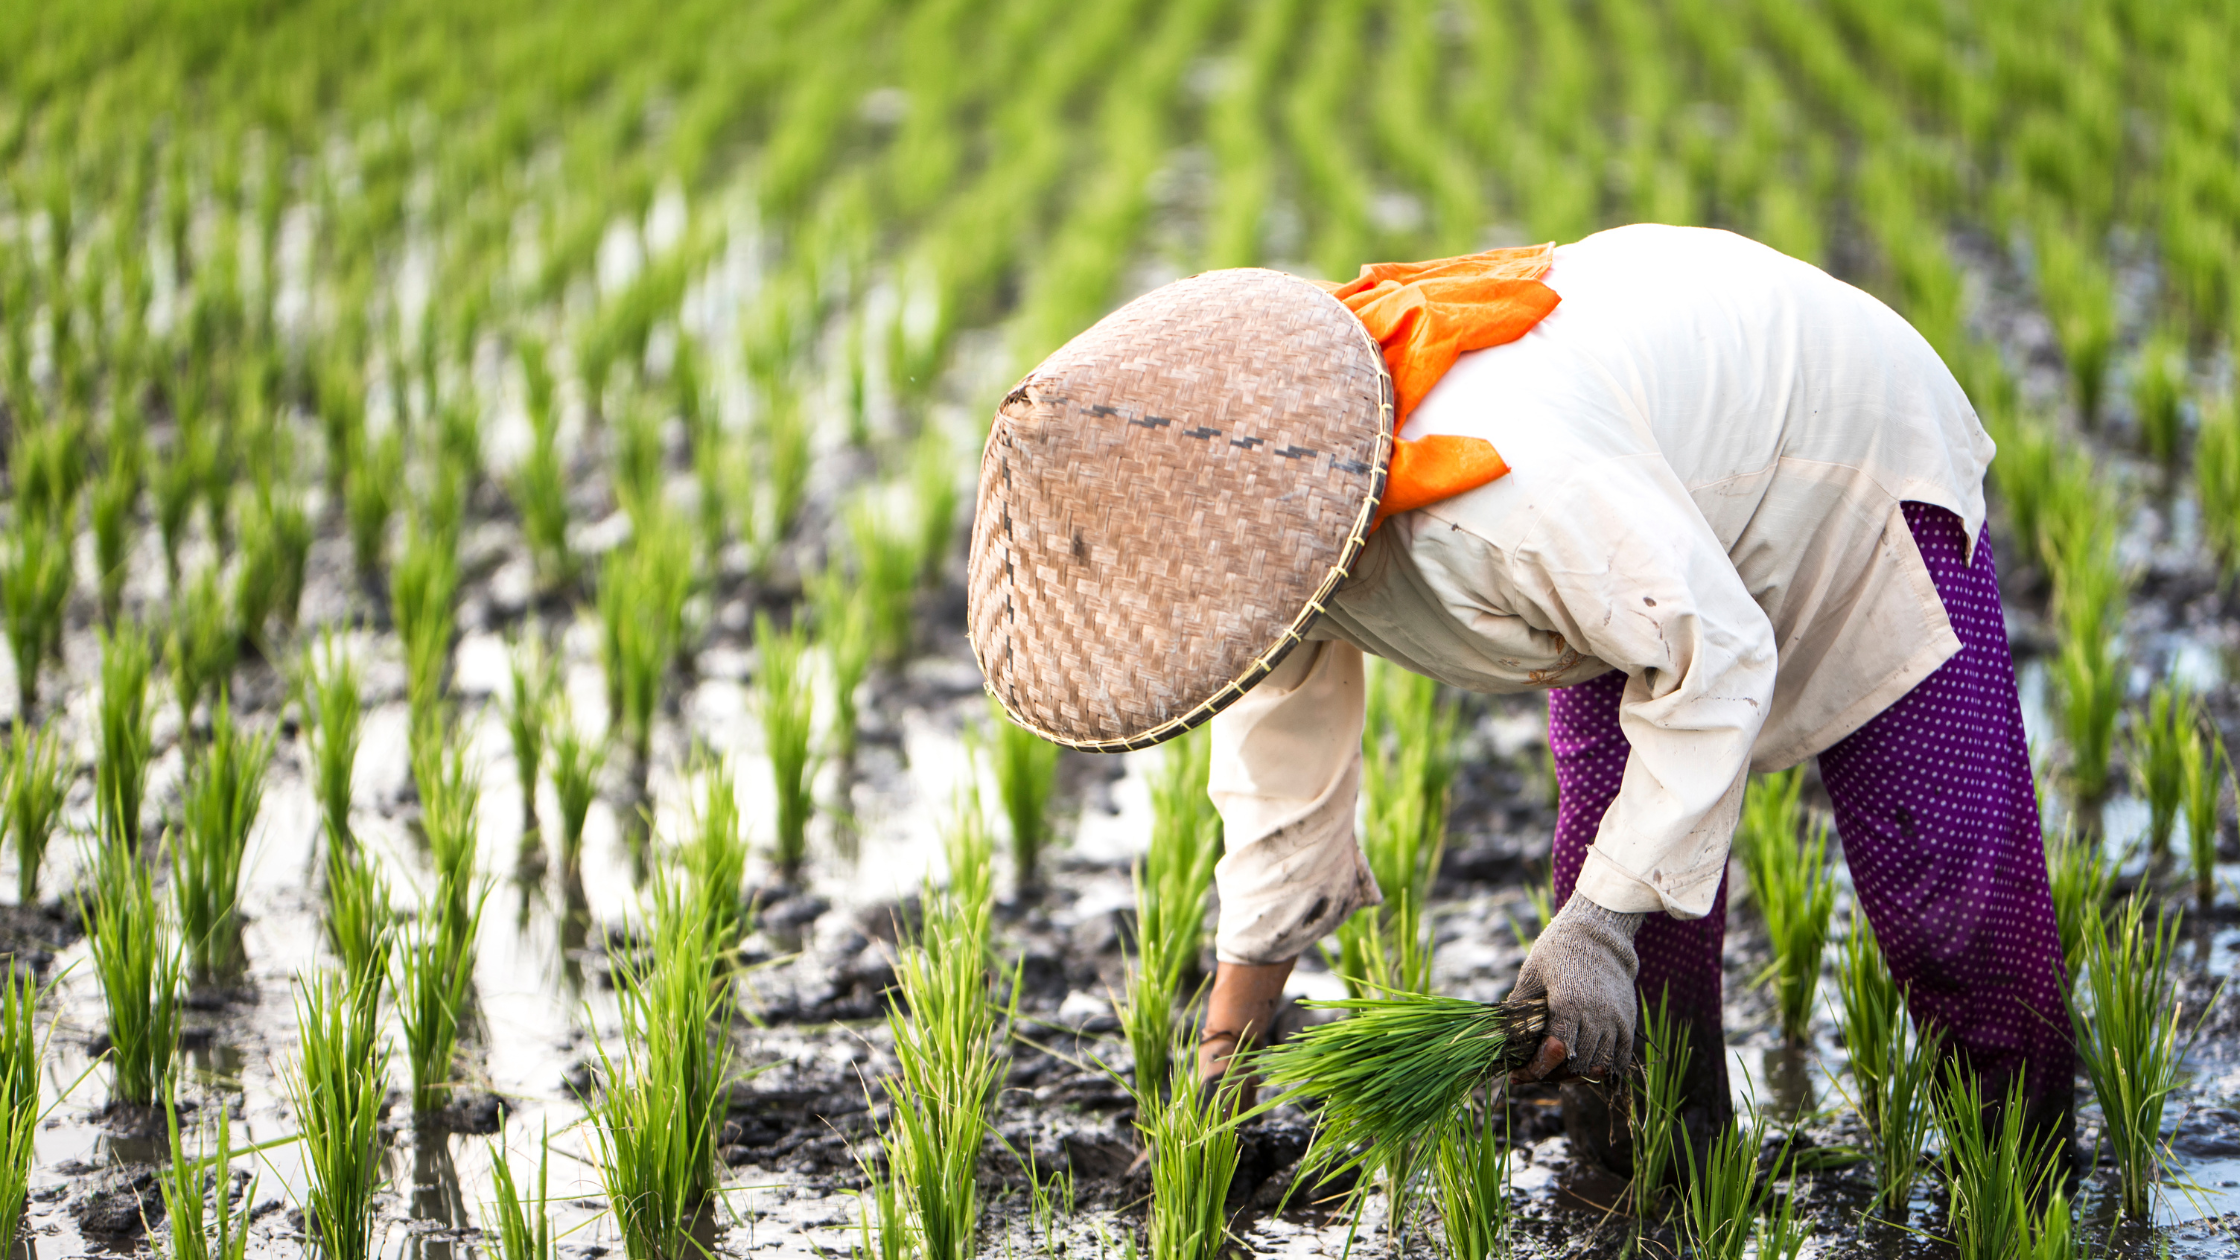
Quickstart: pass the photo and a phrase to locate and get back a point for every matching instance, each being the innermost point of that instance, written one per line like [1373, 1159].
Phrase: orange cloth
[1426, 315]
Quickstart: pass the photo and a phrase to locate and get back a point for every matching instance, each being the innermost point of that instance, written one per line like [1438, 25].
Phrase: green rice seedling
[1781, 1232]
[1893, 1066]
[1193, 1146]
[676, 1008]
[1724, 1194]
[2156, 753]
[214, 1230]
[524, 1221]
[1996, 1174]
[786, 460]
[934, 486]
[786, 701]
[2127, 1039]
[137, 956]
[643, 1146]
[540, 490]
[434, 974]
[2079, 876]
[1026, 774]
[179, 479]
[337, 1092]
[116, 498]
[360, 927]
[120, 771]
[2088, 682]
[333, 727]
[534, 681]
[1171, 885]
[642, 589]
[576, 762]
[37, 783]
[34, 588]
[2031, 451]
[423, 584]
[2216, 477]
[2090, 592]
[1797, 904]
[1470, 1178]
[843, 625]
[224, 791]
[2206, 767]
[716, 860]
[2079, 295]
[276, 539]
[1398, 1068]
[886, 568]
[638, 460]
[200, 646]
[450, 800]
[1406, 770]
[1653, 1104]
[1772, 823]
[2158, 386]
[369, 499]
[22, 1054]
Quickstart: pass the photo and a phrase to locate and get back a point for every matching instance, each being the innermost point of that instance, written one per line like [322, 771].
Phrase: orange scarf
[1426, 315]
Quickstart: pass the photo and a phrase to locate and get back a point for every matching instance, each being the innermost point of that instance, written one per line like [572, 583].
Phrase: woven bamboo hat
[1169, 500]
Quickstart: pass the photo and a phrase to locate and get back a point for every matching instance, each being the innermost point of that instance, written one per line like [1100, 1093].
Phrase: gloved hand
[1584, 965]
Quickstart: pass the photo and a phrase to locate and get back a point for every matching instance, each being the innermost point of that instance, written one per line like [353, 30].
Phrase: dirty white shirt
[1710, 442]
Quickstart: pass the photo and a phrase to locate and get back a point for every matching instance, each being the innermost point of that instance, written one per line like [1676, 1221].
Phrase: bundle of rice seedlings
[2158, 387]
[1171, 884]
[576, 762]
[1193, 1143]
[1893, 1065]
[934, 483]
[540, 489]
[786, 701]
[337, 1093]
[523, 1226]
[716, 861]
[1398, 1068]
[642, 592]
[2127, 1039]
[36, 782]
[886, 560]
[1470, 1173]
[179, 478]
[1798, 903]
[1781, 1232]
[137, 956]
[121, 766]
[422, 586]
[1772, 823]
[1026, 774]
[200, 646]
[1724, 1194]
[2007, 1196]
[435, 972]
[2156, 752]
[22, 1054]
[275, 549]
[2031, 450]
[843, 624]
[450, 801]
[786, 459]
[1407, 765]
[34, 587]
[216, 1229]
[2079, 875]
[2204, 769]
[359, 923]
[2216, 477]
[1653, 1104]
[116, 498]
[638, 460]
[534, 681]
[224, 791]
[332, 727]
[2090, 594]
[369, 498]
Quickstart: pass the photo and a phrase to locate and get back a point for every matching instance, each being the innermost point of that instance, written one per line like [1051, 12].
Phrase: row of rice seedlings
[1653, 1104]
[786, 700]
[524, 1221]
[533, 686]
[22, 1054]
[35, 576]
[945, 1029]
[1406, 769]
[137, 955]
[2008, 1200]
[1171, 885]
[332, 693]
[1194, 1146]
[37, 782]
[1470, 1178]
[212, 1226]
[127, 737]
[2127, 1039]
[337, 1092]
[224, 791]
[1893, 1066]
[843, 613]
[576, 763]
[1025, 766]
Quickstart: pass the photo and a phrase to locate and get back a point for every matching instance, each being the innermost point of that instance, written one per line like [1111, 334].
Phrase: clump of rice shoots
[2090, 593]
[2079, 876]
[1724, 1193]
[1653, 1104]
[1193, 1144]
[116, 498]
[2216, 477]
[642, 591]
[528, 710]
[2127, 1039]
[34, 589]
[1406, 769]
[1893, 1066]
[369, 498]
[1797, 904]
[333, 724]
[360, 926]
[785, 700]
[450, 802]
[523, 1222]
[179, 477]
[2079, 296]
[224, 792]
[337, 1091]
[200, 647]
[37, 783]
[2207, 766]
[22, 1052]
[843, 623]
[422, 586]
[137, 956]
[787, 457]
[576, 762]
[434, 976]
[212, 1226]
[2006, 1190]
[1026, 773]
[2158, 388]
[886, 561]
[1397, 1068]
[1772, 822]
[934, 485]
[716, 860]
[1470, 1176]
[120, 768]
[2157, 756]
[1171, 884]
[276, 539]
[2031, 453]
[540, 490]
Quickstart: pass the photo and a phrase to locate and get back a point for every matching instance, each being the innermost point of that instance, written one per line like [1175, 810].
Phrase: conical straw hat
[1167, 502]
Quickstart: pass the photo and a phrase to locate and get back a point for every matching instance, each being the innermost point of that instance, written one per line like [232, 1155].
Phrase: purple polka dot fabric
[1938, 818]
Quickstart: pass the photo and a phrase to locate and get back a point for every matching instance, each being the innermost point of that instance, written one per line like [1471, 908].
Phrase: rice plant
[843, 625]
[716, 860]
[37, 782]
[2079, 295]
[1798, 903]
[1193, 1144]
[1724, 1194]
[533, 682]
[224, 791]
[886, 572]
[785, 458]
[523, 1221]
[116, 498]
[539, 488]
[2127, 1039]
[1653, 1104]
[1171, 884]
[934, 483]
[1772, 823]
[22, 1055]
[450, 803]
[2157, 756]
[2206, 767]
[332, 727]
[369, 496]
[434, 974]
[1470, 1175]
[2032, 453]
[179, 478]
[576, 762]
[785, 699]
[1997, 1176]
[276, 536]
[137, 956]
[422, 587]
[203, 1226]
[2158, 386]
[1406, 768]
[2079, 876]
[34, 588]
[200, 644]
[642, 592]
[1025, 766]
[337, 1092]
[1893, 1065]
[2216, 478]
[2090, 592]
[360, 927]
[120, 768]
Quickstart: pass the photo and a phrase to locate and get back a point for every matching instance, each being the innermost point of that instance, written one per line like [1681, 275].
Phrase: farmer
[1725, 509]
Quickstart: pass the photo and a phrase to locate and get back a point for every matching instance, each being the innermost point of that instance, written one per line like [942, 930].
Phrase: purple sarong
[1938, 819]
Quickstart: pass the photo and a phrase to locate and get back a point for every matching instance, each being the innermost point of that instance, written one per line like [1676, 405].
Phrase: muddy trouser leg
[1939, 822]
[1679, 957]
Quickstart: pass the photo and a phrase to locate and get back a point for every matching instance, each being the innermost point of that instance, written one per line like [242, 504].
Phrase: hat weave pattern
[1169, 500]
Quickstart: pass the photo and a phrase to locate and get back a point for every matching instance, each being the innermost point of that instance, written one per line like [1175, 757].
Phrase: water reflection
[1787, 1071]
[436, 1194]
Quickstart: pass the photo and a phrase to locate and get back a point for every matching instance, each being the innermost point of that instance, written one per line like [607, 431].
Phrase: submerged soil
[1064, 1174]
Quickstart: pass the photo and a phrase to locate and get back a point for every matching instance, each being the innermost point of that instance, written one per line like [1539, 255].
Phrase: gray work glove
[1584, 965]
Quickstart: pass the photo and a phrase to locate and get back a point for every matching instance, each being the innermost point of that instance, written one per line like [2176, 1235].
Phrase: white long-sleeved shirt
[1710, 442]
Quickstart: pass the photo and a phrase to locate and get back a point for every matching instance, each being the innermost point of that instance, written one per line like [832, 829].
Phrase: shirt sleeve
[1624, 566]
[1285, 775]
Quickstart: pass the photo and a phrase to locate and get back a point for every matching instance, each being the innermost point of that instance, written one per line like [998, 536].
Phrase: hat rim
[1266, 661]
